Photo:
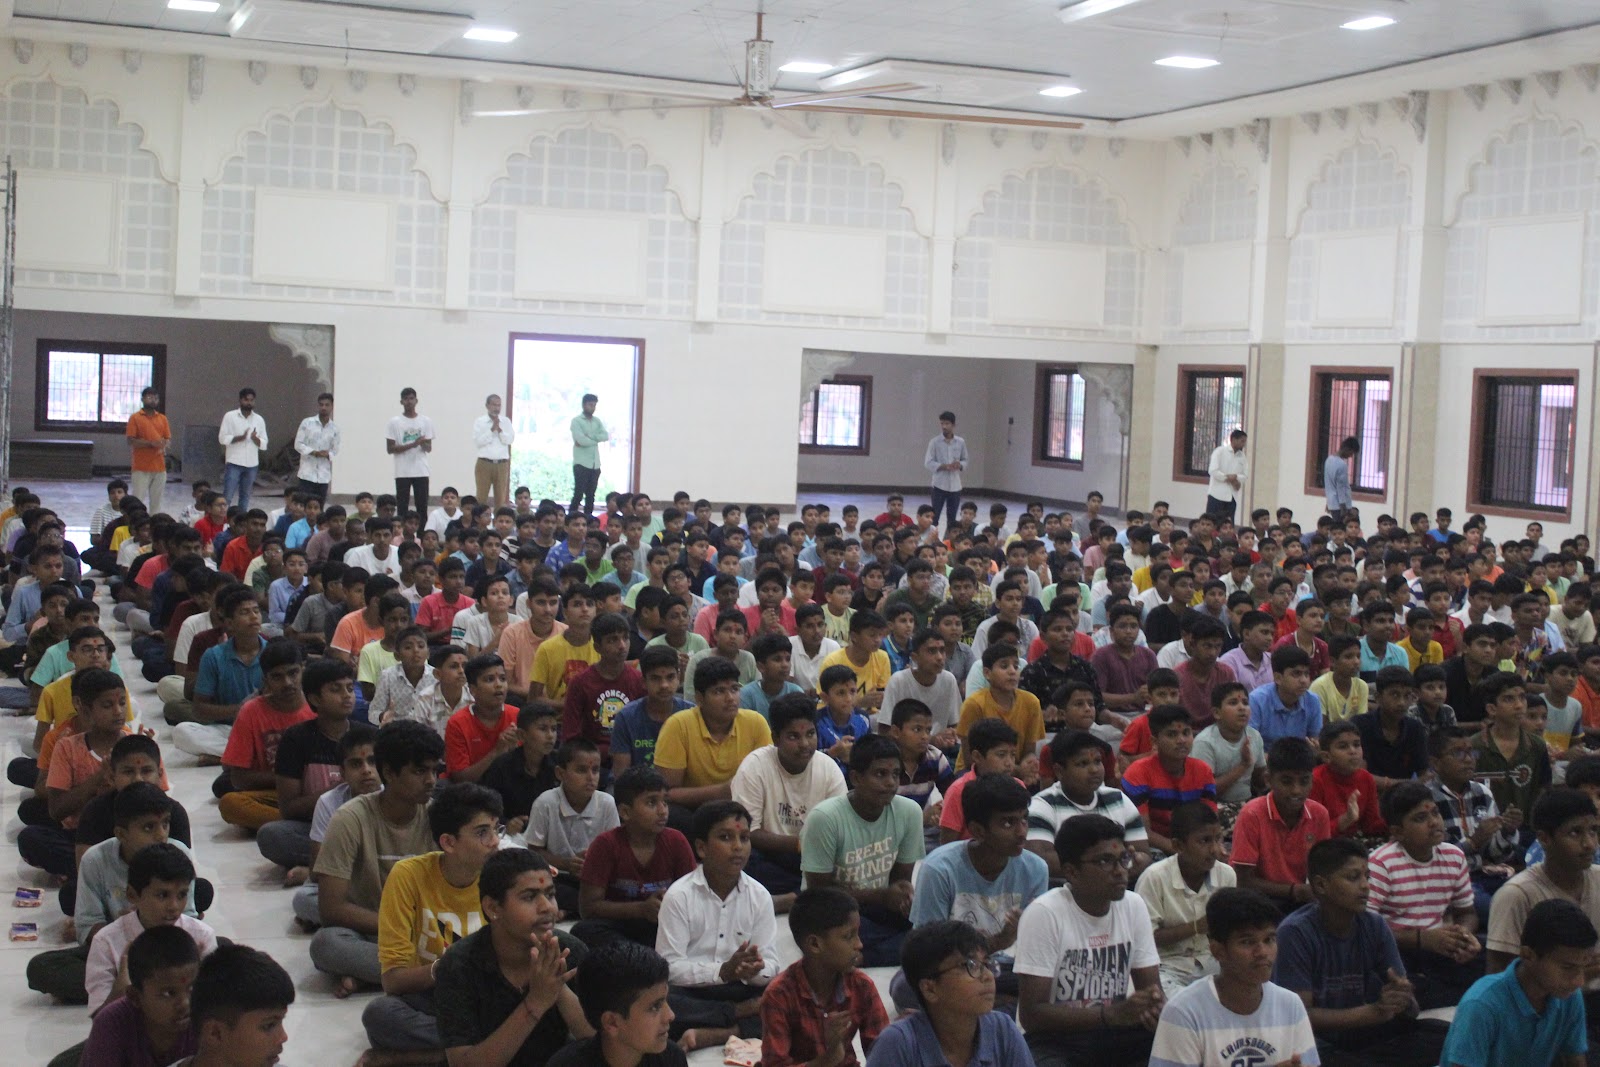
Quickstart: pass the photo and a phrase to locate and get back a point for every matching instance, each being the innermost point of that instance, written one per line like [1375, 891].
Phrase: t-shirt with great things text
[860, 854]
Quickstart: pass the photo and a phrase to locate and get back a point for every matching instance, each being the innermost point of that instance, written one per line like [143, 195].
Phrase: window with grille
[1058, 421]
[1354, 405]
[1523, 450]
[1213, 408]
[837, 417]
[93, 385]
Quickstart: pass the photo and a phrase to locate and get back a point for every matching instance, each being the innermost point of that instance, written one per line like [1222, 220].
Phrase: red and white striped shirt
[1418, 895]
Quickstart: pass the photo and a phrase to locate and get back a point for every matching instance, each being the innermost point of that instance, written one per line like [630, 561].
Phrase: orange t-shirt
[74, 763]
[237, 557]
[149, 428]
[353, 634]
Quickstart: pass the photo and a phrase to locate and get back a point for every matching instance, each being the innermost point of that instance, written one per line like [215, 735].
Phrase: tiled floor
[251, 906]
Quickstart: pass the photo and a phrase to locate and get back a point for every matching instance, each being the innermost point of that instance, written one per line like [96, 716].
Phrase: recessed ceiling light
[1088, 9]
[207, 6]
[801, 66]
[490, 36]
[1187, 62]
[1372, 22]
[1060, 90]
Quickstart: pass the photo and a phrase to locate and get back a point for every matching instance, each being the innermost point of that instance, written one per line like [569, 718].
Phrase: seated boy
[501, 994]
[365, 839]
[866, 842]
[622, 988]
[700, 749]
[150, 1022]
[525, 773]
[1343, 962]
[1136, 742]
[250, 797]
[358, 768]
[1079, 760]
[1088, 971]
[1343, 785]
[716, 979]
[1472, 821]
[773, 654]
[159, 878]
[1394, 745]
[1421, 887]
[986, 880]
[1511, 759]
[638, 724]
[1236, 1015]
[626, 871]
[1177, 890]
[1275, 832]
[429, 903]
[308, 764]
[1286, 707]
[839, 722]
[1017, 708]
[241, 997]
[564, 821]
[478, 734]
[1234, 751]
[991, 749]
[1493, 1024]
[134, 758]
[812, 1011]
[779, 785]
[924, 769]
[1159, 783]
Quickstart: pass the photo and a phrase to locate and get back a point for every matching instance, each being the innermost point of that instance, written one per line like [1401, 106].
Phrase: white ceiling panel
[1263, 46]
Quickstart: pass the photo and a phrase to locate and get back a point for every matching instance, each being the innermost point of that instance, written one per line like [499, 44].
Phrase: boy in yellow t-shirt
[864, 654]
[564, 656]
[429, 903]
[1419, 645]
[1017, 708]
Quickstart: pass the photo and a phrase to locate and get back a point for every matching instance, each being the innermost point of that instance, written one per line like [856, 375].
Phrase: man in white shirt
[946, 458]
[243, 438]
[492, 437]
[378, 555]
[1228, 469]
[317, 441]
[409, 441]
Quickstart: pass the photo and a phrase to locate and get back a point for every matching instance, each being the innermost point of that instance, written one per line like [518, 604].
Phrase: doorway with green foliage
[548, 377]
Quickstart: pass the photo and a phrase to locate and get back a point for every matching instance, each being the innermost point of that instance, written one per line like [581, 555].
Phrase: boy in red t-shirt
[626, 871]
[1344, 786]
[250, 779]
[1160, 783]
[478, 733]
[604, 688]
[1136, 740]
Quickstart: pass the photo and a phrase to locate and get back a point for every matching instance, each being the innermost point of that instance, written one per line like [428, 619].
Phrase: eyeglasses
[974, 966]
[1111, 863]
[486, 834]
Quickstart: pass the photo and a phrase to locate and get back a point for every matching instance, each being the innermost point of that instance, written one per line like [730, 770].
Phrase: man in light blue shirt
[1336, 479]
[946, 458]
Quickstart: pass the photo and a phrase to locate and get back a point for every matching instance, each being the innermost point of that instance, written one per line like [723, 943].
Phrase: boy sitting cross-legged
[1177, 889]
[626, 871]
[1237, 1015]
[564, 821]
[924, 769]
[159, 877]
[1275, 832]
[813, 1011]
[779, 785]
[358, 766]
[241, 997]
[525, 773]
[1159, 783]
[718, 934]
[250, 798]
[150, 1022]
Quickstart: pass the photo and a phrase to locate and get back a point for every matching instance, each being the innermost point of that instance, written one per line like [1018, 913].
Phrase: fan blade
[994, 120]
[518, 112]
[848, 94]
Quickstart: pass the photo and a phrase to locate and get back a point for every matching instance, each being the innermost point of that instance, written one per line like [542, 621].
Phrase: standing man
[410, 439]
[1228, 469]
[587, 433]
[243, 438]
[149, 436]
[946, 458]
[492, 438]
[1336, 479]
[317, 441]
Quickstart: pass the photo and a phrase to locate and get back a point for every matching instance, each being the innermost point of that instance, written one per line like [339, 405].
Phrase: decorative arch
[92, 97]
[685, 195]
[1208, 183]
[1095, 184]
[1525, 126]
[1345, 155]
[829, 141]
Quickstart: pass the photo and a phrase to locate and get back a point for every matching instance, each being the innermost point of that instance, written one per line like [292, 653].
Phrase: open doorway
[547, 379]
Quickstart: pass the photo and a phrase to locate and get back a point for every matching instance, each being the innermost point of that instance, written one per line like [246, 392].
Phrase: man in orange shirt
[149, 436]
[241, 550]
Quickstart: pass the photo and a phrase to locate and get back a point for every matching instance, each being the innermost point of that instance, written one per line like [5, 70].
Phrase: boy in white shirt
[566, 820]
[810, 646]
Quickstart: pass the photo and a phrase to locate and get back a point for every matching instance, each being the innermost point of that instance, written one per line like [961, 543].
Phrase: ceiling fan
[758, 95]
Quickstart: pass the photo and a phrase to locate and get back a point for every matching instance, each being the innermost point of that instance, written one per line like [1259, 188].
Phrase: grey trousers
[305, 905]
[286, 842]
[344, 953]
[402, 1024]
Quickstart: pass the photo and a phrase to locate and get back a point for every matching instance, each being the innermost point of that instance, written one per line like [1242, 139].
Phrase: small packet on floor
[24, 931]
[742, 1052]
[26, 898]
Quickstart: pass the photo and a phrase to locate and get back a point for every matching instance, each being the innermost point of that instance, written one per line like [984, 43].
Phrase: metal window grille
[1359, 407]
[1216, 409]
[1525, 450]
[90, 386]
[1061, 436]
[835, 415]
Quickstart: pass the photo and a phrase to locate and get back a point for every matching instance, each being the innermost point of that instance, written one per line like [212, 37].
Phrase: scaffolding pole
[8, 303]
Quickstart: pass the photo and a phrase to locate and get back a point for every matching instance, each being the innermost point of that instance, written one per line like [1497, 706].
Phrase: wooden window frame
[1475, 502]
[1041, 416]
[864, 382]
[1317, 434]
[41, 384]
[1186, 373]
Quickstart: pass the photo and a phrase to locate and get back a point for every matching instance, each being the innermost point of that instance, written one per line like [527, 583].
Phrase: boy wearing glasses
[1088, 971]
[947, 966]
[429, 903]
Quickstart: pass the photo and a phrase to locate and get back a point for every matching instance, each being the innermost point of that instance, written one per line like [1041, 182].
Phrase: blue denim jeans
[237, 482]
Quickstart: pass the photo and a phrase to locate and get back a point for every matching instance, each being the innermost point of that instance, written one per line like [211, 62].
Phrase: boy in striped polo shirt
[1078, 757]
[1163, 781]
[1421, 885]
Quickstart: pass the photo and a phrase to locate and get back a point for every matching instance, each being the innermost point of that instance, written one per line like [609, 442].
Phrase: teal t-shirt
[860, 854]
